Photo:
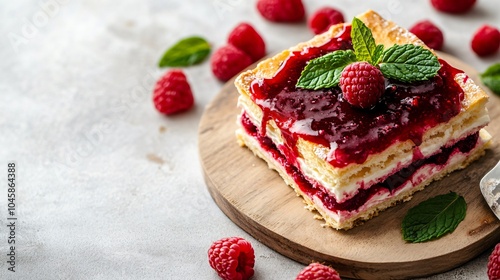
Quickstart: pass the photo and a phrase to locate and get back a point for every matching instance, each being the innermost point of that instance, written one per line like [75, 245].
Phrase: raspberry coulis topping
[406, 111]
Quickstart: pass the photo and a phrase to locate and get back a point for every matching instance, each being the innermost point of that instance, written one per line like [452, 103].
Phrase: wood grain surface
[257, 199]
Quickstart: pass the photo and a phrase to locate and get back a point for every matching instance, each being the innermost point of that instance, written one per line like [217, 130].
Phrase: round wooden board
[257, 199]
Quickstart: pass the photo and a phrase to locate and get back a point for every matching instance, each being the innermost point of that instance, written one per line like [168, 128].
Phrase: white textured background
[107, 187]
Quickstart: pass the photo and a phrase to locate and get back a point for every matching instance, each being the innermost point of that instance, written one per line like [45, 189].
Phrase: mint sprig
[406, 63]
[409, 63]
[491, 78]
[186, 52]
[364, 43]
[325, 71]
[434, 218]
[377, 54]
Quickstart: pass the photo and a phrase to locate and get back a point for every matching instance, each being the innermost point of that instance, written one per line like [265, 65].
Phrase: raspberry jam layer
[406, 111]
[391, 183]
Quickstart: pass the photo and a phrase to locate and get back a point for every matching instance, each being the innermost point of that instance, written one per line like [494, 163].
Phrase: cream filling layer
[425, 172]
[423, 175]
[348, 189]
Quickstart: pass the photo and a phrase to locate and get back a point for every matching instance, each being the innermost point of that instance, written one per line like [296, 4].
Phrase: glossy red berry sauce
[406, 111]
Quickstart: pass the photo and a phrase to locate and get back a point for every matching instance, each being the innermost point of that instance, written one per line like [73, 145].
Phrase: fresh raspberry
[430, 34]
[172, 93]
[232, 258]
[486, 41]
[453, 6]
[281, 10]
[323, 18]
[247, 39]
[317, 271]
[362, 84]
[494, 264]
[229, 61]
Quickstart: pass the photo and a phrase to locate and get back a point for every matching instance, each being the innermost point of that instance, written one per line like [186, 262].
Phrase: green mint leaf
[186, 52]
[409, 63]
[325, 71]
[491, 78]
[363, 42]
[377, 54]
[434, 217]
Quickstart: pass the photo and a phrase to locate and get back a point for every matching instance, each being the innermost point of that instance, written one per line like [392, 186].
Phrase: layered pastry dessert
[350, 163]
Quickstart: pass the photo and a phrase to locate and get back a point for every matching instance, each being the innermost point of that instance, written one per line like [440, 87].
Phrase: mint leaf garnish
[324, 71]
[186, 52]
[406, 63]
[377, 54]
[491, 78]
[434, 217]
[409, 63]
[363, 42]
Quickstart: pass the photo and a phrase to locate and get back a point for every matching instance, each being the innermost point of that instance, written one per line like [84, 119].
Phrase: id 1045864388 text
[12, 217]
